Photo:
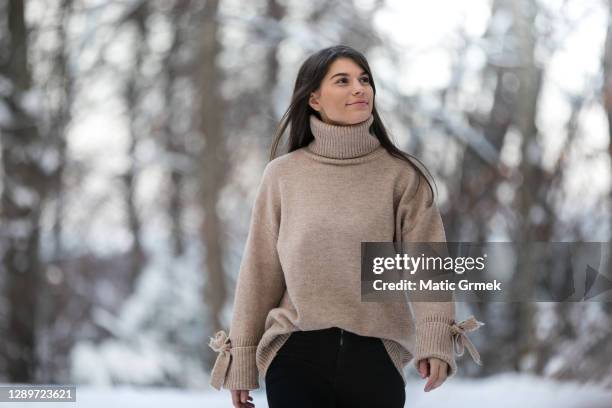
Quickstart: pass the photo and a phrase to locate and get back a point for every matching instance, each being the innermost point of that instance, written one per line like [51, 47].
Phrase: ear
[313, 101]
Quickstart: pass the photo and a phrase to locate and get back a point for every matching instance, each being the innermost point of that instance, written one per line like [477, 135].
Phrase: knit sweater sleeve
[436, 330]
[259, 288]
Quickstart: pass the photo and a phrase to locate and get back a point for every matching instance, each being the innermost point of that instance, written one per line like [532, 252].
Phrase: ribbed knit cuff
[434, 338]
[242, 373]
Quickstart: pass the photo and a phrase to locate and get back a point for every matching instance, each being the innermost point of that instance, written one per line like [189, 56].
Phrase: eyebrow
[345, 74]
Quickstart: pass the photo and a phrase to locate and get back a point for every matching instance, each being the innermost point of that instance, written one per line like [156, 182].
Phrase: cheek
[334, 99]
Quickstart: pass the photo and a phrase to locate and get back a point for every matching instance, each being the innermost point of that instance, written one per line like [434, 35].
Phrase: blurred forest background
[134, 133]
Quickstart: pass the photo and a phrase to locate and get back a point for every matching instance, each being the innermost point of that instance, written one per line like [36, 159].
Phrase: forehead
[345, 65]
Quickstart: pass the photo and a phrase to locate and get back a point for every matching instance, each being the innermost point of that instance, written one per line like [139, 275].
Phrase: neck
[342, 142]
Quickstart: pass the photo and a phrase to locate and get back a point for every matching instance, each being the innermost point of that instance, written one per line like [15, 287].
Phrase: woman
[298, 318]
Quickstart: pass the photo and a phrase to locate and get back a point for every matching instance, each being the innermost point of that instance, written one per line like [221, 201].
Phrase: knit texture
[301, 263]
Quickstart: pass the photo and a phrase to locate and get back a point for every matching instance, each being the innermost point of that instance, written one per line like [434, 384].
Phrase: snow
[511, 390]
[502, 391]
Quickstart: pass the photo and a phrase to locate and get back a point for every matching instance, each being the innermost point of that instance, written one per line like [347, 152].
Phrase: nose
[358, 88]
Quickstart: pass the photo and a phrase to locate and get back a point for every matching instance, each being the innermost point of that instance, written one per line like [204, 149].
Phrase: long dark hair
[308, 80]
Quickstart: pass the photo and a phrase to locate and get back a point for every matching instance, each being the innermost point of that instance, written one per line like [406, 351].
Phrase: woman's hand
[435, 369]
[241, 399]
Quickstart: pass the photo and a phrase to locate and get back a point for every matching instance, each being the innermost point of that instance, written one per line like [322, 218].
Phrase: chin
[360, 116]
[353, 118]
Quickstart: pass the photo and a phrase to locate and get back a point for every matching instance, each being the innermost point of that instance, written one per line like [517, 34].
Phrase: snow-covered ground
[501, 391]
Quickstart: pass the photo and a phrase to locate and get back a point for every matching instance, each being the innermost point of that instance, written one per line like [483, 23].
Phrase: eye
[363, 78]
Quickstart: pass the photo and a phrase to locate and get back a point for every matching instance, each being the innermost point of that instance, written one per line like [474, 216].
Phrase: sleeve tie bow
[221, 343]
[461, 340]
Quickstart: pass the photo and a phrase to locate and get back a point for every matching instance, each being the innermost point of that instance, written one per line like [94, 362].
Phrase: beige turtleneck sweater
[301, 264]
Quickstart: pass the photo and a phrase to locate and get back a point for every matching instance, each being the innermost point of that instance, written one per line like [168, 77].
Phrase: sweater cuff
[235, 367]
[243, 373]
[435, 337]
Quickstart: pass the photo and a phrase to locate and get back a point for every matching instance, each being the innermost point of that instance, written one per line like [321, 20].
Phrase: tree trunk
[530, 79]
[607, 102]
[174, 141]
[133, 96]
[23, 192]
[213, 161]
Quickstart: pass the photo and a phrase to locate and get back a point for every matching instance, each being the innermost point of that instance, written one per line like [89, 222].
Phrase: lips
[364, 102]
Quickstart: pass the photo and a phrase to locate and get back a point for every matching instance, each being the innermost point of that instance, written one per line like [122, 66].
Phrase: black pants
[333, 368]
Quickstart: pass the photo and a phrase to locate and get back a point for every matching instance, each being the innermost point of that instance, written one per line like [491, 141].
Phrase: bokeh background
[134, 134]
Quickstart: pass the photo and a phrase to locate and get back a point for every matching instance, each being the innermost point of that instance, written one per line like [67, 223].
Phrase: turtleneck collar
[342, 142]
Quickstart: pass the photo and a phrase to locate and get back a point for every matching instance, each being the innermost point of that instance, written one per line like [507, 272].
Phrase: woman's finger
[433, 376]
[442, 373]
[236, 399]
[424, 368]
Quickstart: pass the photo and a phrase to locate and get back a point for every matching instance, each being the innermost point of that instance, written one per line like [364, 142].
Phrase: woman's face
[344, 84]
